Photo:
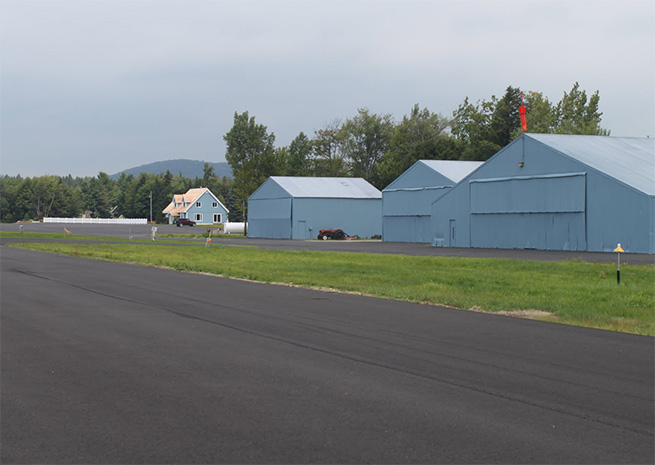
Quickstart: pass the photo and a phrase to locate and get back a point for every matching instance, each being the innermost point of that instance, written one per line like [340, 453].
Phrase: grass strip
[169, 237]
[571, 292]
[39, 235]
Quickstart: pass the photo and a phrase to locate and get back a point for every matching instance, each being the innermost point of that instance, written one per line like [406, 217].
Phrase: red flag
[524, 124]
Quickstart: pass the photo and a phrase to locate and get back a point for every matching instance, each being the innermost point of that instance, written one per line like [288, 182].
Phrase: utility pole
[151, 206]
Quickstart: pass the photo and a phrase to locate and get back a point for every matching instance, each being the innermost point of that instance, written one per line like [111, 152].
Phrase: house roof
[631, 160]
[454, 170]
[311, 187]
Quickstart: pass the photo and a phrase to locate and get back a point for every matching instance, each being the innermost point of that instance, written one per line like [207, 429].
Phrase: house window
[199, 204]
[215, 204]
[198, 216]
[218, 218]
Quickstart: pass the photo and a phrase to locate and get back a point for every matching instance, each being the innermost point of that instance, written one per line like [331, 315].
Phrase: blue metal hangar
[286, 207]
[407, 202]
[555, 192]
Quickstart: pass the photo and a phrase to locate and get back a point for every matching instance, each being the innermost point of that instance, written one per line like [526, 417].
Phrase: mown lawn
[571, 292]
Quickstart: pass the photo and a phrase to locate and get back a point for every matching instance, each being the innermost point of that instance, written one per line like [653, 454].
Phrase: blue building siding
[407, 202]
[551, 202]
[197, 204]
[275, 213]
[407, 228]
[618, 214]
[209, 206]
[356, 217]
[270, 218]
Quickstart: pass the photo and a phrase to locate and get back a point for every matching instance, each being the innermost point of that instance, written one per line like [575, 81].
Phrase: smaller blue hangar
[288, 207]
[407, 202]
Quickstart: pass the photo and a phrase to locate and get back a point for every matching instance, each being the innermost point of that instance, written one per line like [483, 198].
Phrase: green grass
[572, 292]
[38, 235]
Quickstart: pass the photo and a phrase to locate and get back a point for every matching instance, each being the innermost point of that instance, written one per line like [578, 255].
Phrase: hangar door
[269, 218]
[531, 212]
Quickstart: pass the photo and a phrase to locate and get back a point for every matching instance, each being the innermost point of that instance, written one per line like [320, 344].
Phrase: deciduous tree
[328, 157]
[366, 139]
[251, 155]
[421, 135]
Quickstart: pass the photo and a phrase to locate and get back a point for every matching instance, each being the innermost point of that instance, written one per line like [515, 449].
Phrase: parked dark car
[185, 222]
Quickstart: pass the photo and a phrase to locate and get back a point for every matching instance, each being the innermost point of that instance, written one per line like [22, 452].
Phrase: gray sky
[106, 85]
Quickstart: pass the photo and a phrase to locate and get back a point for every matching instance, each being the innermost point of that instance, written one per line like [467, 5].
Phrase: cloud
[108, 84]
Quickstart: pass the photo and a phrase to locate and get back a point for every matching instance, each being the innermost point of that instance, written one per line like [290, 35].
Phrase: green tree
[9, 188]
[299, 152]
[471, 126]
[24, 201]
[251, 155]
[421, 135]
[575, 114]
[210, 180]
[281, 161]
[540, 115]
[505, 119]
[366, 139]
[208, 174]
[124, 191]
[328, 156]
[98, 195]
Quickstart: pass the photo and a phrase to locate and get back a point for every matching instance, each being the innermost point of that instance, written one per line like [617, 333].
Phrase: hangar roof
[631, 160]
[455, 170]
[310, 187]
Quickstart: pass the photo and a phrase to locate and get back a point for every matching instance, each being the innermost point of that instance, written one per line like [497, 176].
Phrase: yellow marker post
[618, 251]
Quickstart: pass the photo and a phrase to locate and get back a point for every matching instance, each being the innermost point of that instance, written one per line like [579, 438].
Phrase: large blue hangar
[286, 207]
[555, 192]
[407, 202]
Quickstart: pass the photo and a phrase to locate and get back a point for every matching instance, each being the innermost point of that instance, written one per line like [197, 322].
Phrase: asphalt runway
[113, 363]
[358, 246]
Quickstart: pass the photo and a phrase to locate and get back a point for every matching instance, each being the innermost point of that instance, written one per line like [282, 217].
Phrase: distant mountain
[187, 168]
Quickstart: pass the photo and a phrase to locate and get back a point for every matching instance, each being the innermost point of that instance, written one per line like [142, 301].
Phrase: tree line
[101, 196]
[368, 145]
[379, 149]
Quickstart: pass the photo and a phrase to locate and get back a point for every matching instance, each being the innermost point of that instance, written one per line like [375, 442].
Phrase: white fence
[96, 220]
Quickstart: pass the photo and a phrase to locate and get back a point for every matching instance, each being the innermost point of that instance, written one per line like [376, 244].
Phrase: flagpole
[524, 128]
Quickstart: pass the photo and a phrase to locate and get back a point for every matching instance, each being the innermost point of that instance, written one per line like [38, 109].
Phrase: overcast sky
[106, 85]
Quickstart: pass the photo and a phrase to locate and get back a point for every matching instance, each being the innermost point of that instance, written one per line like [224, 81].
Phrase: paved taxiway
[114, 363]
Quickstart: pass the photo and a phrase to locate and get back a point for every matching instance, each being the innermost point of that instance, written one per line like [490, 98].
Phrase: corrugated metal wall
[356, 217]
[406, 213]
[269, 218]
[542, 212]
[531, 196]
[274, 214]
[406, 204]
